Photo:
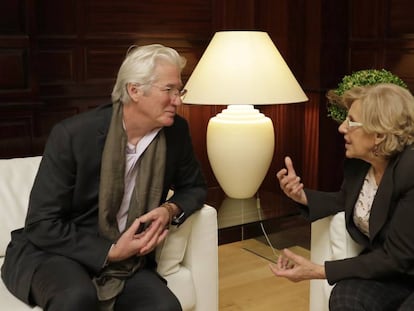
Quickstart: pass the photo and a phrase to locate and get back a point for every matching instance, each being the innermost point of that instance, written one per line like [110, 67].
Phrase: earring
[375, 150]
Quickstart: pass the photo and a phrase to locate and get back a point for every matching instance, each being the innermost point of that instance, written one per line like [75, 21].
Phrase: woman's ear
[379, 138]
[134, 91]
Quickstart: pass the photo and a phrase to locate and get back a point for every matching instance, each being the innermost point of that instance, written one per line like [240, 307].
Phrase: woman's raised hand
[290, 183]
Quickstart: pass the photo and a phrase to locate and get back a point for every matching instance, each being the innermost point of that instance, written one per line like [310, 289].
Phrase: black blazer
[389, 251]
[62, 217]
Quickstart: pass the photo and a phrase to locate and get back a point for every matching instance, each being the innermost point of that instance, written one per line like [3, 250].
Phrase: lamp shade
[242, 67]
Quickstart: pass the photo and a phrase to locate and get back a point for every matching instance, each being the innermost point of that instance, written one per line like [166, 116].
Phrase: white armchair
[187, 259]
[329, 241]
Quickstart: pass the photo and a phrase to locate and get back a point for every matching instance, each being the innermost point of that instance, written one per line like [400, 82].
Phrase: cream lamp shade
[241, 69]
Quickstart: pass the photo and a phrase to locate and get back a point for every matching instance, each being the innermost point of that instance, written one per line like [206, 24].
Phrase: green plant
[359, 78]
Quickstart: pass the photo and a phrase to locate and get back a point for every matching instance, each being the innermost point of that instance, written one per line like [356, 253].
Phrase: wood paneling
[365, 19]
[65, 55]
[13, 62]
[56, 18]
[384, 38]
[15, 58]
[17, 129]
[400, 20]
[189, 17]
[56, 66]
[102, 63]
[16, 135]
[12, 17]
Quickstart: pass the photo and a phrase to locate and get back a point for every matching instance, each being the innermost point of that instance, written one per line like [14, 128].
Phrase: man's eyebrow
[177, 86]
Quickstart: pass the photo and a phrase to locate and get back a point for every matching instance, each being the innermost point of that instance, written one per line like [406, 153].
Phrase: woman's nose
[342, 127]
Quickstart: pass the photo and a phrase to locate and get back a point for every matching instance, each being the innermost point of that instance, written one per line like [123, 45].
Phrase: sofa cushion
[16, 180]
[182, 285]
[342, 245]
[170, 254]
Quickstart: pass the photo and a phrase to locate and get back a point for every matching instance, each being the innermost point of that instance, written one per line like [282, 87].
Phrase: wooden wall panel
[102, 63]
[78, 47]
[365, 17]
[56, 66]
[384, 38]
[56, 18]
[288, 123]
[326, 49]
[65, 54]
[364, 58]
[14, 62]
[400, 60]
[234, 14]
[16, 134]
[400, 20]
[198, 117]
[189, 17]
[12, 17]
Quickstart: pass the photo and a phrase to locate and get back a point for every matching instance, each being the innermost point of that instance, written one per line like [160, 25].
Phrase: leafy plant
[359, 78]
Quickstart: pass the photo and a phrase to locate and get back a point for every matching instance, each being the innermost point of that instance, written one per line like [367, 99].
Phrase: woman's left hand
[296, 268]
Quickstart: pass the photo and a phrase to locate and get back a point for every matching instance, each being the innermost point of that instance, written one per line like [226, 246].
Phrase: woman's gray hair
[386, 109]
[139, 67]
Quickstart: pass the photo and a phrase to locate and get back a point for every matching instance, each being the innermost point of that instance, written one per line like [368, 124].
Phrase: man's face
[159, 104]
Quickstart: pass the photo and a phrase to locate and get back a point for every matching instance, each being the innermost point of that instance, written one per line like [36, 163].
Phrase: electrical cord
[258, 206]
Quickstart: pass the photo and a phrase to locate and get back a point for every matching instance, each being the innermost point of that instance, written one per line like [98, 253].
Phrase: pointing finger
[289, 166]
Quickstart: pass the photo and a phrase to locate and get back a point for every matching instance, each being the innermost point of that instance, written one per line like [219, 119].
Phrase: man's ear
[134, 91]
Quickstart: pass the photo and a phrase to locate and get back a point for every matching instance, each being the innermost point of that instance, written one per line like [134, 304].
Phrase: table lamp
[241, 69]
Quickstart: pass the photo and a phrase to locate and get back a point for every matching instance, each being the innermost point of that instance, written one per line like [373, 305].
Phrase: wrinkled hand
[296, 268]
[290, 183]
[134, 242]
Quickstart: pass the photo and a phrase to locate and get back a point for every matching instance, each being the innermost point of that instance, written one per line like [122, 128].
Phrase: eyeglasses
[172, 91]
[352, 124]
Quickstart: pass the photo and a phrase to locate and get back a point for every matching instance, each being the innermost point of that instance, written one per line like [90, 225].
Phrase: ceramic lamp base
[240, 146]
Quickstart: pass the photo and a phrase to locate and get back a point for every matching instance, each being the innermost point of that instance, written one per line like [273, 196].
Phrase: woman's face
[358, 143]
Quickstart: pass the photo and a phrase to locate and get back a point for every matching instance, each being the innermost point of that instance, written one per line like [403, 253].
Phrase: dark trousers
[61, 284]
[371, 295]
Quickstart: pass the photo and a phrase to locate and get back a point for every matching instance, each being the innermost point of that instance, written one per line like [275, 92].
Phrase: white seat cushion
[16, 181]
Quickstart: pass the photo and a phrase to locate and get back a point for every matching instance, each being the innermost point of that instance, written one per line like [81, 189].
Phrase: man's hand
[135, 242]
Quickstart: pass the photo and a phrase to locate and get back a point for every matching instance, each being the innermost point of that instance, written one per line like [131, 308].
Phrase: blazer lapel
[104, 114]
[355, 180]
[382, 202]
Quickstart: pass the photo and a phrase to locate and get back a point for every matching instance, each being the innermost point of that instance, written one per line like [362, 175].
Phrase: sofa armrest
[201, 258]
[319, 290]
[329, 241]
[189, 254]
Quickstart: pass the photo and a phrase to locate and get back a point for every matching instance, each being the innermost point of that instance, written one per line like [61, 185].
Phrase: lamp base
[240, 146]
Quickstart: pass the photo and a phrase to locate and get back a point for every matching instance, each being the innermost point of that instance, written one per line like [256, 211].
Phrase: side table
[242, 219]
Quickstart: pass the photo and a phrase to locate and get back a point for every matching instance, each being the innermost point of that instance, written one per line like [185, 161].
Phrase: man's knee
[167, 305]
[79, 299]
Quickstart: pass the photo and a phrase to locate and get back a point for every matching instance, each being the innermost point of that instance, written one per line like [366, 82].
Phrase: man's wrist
[170, 208]
[176, 215]
[106, 263]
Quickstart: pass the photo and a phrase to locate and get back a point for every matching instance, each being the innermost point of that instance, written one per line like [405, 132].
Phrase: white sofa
[329, 241]
[188, 259]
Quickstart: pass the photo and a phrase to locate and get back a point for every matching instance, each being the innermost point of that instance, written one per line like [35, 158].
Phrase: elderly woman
[377, 195]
